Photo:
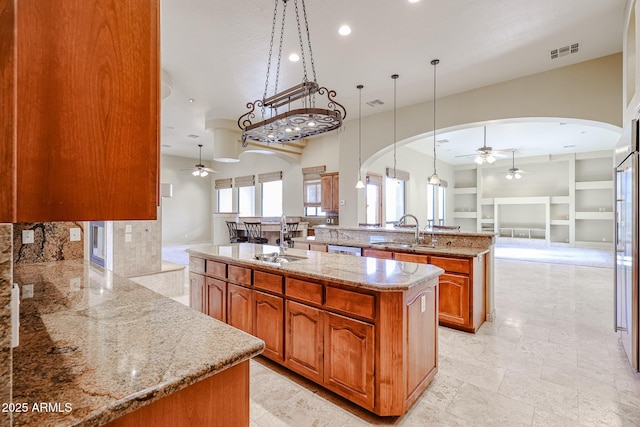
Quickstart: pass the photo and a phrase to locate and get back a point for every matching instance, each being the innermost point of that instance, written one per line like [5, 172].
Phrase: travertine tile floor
[550, 359]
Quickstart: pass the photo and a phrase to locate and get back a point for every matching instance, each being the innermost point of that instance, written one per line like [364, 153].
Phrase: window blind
[222, 183]
[399, 174]
[269, 177]
[244, 181]
[313, 172]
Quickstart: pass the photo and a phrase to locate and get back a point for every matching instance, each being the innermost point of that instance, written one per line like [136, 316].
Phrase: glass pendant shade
[434, 179]
[360, 184]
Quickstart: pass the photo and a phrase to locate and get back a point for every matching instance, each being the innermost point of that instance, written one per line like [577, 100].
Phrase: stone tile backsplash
[51, 242]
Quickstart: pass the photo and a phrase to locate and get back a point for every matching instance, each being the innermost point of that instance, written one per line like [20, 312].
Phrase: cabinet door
[402, 256]
[304, 340]
[239, 307]
[454, 299]
[349, 358]
[269, 324]
[422, 335]
[326, 188]
[197, 296]
[335, 192]
[87, 110]
[377, 253]
[217, 299]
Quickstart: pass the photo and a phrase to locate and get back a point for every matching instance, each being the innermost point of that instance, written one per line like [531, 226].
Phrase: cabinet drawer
[377, 253]
[453, 265]
[304, 291]
[216, 269]
[420, 259]
[267, 281]
[358, 304]
[196, 265]
[239, 275]
[318, 247]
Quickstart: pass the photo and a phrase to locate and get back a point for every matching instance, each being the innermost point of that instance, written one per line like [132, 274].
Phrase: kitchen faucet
[283, 232]
[401, 220]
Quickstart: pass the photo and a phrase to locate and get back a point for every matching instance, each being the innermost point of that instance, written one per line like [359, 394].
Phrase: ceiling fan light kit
[200, 169]
[296, 121]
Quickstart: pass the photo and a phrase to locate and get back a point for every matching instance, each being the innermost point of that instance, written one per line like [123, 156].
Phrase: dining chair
[232, 226]
[254, 232]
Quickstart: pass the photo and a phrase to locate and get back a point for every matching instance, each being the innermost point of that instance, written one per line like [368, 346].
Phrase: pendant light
[434, 179]
[395, 78]
[360, 183]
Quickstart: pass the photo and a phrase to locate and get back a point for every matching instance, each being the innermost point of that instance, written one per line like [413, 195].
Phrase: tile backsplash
[51, 242]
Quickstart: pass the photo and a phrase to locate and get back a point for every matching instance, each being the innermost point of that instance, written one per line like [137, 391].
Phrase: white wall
[186, 217]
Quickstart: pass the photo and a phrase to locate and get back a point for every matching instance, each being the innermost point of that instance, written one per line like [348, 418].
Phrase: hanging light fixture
[514, 172]
[485, 154]
[434, 179]
[360, 183]
[395, 78]
[297, 121]
[200, 169]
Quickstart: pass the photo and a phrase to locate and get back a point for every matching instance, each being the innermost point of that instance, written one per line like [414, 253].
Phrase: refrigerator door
[626, 271]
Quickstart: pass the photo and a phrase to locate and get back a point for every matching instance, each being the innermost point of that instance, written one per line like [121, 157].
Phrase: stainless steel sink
[278, 257]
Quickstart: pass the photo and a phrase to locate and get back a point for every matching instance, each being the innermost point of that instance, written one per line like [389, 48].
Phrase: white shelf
[560, 199]
[559, 222]
[466, 190]
[594, 185]
[465, 214]
[487, 220]
[595, 215]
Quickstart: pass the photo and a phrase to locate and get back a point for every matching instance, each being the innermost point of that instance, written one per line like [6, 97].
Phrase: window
[436, 207]
[394, 199]
[312, 190]
[225, 200]
[374, 199]
[441, 205]
[272, 198]
[247, 201]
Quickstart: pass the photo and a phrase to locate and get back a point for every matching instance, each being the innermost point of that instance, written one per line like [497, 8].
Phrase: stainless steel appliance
[347, 250]
[627, 297]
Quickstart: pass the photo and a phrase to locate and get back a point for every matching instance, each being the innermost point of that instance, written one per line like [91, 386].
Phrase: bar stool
[254, 232]
[232, 226]
[292, 228]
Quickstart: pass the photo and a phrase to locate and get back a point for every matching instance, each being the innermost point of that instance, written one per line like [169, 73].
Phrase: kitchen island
[363, 328]
[97, 349]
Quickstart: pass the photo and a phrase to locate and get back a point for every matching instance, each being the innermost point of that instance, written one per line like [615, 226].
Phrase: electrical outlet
[127, 237]
[27, 236]
[74, 234]
[127, 228]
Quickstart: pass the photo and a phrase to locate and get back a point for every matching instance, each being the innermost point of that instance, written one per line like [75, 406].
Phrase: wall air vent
[193, 136]
[564, 51]
[375, 103]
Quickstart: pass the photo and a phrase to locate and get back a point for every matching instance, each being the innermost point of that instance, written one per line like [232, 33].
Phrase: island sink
[278, 257]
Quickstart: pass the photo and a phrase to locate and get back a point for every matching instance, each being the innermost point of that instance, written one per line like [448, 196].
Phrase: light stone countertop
[369, 273]
[107, 346]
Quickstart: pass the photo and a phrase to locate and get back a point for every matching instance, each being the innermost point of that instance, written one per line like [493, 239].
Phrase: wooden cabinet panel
[267, 281]
[197, 295]
[454, 299]
[86, 110]
[304, 340]
[349, 358]
[420, 259]
[330, 189]
[422, 332]
[452, 265]
[217, 299]
[7, 113]
[304, 290]
[196, 265]
[240, 307]
[269, 324]
[377, 253]
[350, 302]
[318, 247]
[216, 269]
[240, 275]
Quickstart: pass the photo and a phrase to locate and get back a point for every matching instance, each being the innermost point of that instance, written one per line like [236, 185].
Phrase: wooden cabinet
[269, 324]
[216, 299]
[377, 253]
[197, 296]
[349, 358]
[240, 307]
[80, 124]
[304, 340]
[454, 299]
[330, 188]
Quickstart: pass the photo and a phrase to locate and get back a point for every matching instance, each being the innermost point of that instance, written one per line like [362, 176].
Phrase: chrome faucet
[401, 220]
[283, 232]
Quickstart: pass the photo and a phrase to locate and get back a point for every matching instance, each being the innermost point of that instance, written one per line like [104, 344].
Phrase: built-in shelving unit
[568, 199]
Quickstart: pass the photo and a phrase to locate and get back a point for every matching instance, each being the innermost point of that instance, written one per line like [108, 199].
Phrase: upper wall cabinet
[80, 122]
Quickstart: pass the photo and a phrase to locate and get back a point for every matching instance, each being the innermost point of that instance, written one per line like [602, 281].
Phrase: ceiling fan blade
[210, 170]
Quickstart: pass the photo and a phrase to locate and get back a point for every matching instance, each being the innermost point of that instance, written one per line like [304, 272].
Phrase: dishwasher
[346, 250]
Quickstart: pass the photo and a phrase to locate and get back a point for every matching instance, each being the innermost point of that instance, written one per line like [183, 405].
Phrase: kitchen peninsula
[466, 288]
[363, 328]
[97, 349]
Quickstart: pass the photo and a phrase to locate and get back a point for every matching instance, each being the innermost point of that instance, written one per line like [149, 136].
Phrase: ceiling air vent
[564, 51]
[375, 103]
[193, 136]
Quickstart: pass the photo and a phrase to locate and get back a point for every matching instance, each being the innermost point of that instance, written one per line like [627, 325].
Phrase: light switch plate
[27, 291]
[127, 228]
[127, 237]
[74, 234]
[27, 236]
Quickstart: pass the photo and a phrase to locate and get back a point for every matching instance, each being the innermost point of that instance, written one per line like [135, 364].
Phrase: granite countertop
[376, 243]
[369, 273]
[392, 229]
[100, 346]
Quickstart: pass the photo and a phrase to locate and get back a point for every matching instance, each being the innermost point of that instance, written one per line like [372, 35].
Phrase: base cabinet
[217, 299]
[240, 307]
[197, 295]
[269, 324]
[304, 340]
[349, 358]
[454, 299]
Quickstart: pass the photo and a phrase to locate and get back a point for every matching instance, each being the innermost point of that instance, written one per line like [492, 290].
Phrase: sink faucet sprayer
[283, 232]
[403, 217]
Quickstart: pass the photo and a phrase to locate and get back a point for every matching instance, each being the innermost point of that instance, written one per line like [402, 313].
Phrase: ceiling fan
[486, 154]
[513, 171]
[200, 169]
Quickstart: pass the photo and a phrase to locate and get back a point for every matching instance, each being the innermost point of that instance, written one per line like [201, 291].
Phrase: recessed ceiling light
[191, 100]
[345, 30]
[414, 1]
[294, 57]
